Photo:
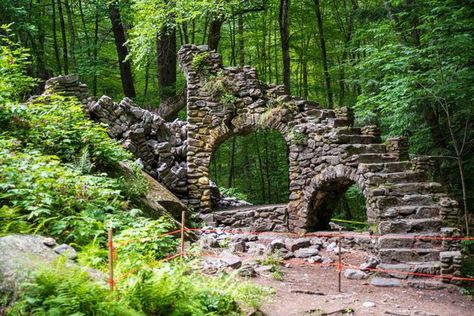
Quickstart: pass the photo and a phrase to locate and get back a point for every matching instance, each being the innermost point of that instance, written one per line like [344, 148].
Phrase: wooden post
[183, 223]
[339, 265]
[111, 260]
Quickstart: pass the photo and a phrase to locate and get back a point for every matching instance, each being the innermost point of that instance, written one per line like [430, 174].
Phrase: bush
[58, 200]
[14, 84]
[67, 291]
[58, 126]
[167, 290]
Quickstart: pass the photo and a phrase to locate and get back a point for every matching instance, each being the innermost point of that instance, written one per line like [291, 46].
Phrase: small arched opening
[252, 167]
[338, 200]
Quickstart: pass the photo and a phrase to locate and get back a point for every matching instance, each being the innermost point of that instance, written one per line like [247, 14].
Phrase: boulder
[21, 255]
[158, 199]
[354, 274]
[295, 244]
[385, 282]
[306, 252]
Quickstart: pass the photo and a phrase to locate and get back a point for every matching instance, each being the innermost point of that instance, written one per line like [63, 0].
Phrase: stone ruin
[326, 156]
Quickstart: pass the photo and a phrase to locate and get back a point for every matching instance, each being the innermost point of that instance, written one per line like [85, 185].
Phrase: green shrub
[14, 59]
[66, 290]
[170, 289]
[58, 126]
[144, 239]
[58, 200]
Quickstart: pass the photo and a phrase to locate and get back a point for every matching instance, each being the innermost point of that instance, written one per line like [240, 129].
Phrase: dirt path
[315, 279]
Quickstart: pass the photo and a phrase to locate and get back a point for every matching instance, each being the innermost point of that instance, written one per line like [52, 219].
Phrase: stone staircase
[413, 211]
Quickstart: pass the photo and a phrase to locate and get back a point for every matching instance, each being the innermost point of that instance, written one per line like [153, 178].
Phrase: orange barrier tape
[292, 234]
[428, 275]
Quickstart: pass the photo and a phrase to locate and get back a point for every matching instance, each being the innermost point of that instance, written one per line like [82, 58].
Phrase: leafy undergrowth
[58, 177]
[167, 289]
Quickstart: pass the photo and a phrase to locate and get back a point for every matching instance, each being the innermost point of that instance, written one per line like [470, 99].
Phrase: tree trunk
[324, 59]
[95, 50]
[214, 34]
[230, 182]
[122, 51]
[166, 61]
[241, 40]
[72, 35]
[284, 22]
[260, 169]
[64, 39]
[55, 38]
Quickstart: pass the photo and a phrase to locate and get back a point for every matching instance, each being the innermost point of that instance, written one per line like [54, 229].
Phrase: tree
[122, 51]
[324, 58]
[284, 22]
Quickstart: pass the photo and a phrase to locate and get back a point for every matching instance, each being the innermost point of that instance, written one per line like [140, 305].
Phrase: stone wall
[160, 146]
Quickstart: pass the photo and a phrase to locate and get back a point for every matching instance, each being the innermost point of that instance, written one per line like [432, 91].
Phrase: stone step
[375, 157]
[410, 211]
[427, 284]
[348, 130]
[410, 226]
[398, 255]
[394, 177]
[337, 122]
[408, 270]
[387, 167]
[353, 139]
[400, 189]
[385, 202]
[410, 240]
[357, 149]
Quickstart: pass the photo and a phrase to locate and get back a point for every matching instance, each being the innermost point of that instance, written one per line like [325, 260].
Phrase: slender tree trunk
[84, 27]
[241, 40]
[324, 59]
[166, 61]
[64, 39]
[193, 31]
[233, 57]
[55, 38]
[267, 169]
[230, 182]
[122, 51]
[72, 35]
[204, 32]
[147, 79]
[260, 169]
[184, 27]
[284, 22]
[40, 57]
[95, 50]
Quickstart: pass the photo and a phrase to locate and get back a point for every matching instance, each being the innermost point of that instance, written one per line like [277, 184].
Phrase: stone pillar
[398, 146]
[371, 130]
[451, 265]
[423, 163]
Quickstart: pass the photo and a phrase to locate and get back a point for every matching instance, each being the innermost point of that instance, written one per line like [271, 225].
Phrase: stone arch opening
[253, 164]
[326, 191]
[327, 201]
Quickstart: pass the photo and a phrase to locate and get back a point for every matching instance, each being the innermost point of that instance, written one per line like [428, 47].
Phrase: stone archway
[328, 186]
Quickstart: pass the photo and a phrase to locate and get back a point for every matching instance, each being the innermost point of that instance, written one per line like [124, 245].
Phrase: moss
[297, 137]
